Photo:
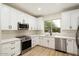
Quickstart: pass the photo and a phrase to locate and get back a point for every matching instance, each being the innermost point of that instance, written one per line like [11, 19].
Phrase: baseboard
[61, 51]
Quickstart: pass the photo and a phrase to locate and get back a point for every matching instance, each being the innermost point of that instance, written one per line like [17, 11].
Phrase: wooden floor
[42, 51]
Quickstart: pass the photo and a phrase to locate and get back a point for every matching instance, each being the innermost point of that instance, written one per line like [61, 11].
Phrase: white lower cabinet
[35, 41]
[17, 48]
[74, 47]
[12, 48]
[47, 42]
[52, 43]
[71, 46]
[5, 49]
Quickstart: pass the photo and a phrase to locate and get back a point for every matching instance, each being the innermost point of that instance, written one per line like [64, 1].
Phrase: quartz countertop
[8, 40]
[65, 37]
[56, 36]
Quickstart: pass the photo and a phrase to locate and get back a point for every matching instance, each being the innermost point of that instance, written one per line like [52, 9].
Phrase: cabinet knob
[13, 54]
[23, 21]
[70, 27]
[12, 42]
[12, 48]
[48, 41]
[10, 27]
[69, 40]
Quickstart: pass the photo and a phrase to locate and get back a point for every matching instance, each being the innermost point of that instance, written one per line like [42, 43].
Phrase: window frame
[51, 25]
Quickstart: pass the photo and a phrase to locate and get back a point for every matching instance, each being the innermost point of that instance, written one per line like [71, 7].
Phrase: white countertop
[56, 36]
[8, 40]
[65, 37]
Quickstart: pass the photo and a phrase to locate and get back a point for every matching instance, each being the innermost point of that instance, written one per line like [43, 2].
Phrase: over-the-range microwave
[22, 26]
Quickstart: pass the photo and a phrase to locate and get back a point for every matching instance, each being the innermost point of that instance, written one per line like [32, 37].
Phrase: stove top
[24, 38]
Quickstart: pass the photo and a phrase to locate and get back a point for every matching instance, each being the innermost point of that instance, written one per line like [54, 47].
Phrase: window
[52, 25]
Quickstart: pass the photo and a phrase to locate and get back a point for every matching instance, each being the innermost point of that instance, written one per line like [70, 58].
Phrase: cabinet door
[5, 49]
[14, 19]
[17, 47]
[74, 20]
[52, 43]
[35, 41]
[65, 22]
[26, 19]
[23, 18]
[45, 42]
[35, 24]
[30, 22]
[40, 41]
[5, 17]
[40, 24]
[70, 46]
[74, 47]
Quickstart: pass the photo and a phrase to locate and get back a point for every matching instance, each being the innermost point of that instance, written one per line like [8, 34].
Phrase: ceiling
[42, 9]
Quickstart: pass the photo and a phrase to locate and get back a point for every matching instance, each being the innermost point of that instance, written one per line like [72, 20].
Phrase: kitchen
[20, 31]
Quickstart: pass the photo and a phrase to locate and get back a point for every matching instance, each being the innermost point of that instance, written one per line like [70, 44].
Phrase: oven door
[26, 44]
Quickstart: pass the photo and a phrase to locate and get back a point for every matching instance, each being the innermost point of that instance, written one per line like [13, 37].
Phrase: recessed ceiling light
[39, 9]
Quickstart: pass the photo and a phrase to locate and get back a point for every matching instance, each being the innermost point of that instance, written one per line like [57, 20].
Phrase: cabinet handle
[48, 41]
[70, 27]
[12, 42]
[23, 21]
[69, 40]
[13, 54]
[12, 48]
[10, 27]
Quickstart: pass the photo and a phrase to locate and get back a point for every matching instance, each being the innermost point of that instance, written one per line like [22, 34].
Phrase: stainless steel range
[25, 43]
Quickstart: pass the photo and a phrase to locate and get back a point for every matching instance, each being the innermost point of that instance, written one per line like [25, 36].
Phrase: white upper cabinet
[40, 24]
[23, 18]
[30, 20]
[32, 23]
[65, 21]
[10, 18]
[5, 17]
[70, 20]
[75, 19]
[14, 19]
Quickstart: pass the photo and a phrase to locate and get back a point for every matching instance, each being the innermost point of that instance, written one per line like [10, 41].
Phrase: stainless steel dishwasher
[63, 45]
[60, 44]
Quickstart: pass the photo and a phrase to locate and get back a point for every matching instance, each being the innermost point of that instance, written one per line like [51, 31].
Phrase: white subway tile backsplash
[11, 34]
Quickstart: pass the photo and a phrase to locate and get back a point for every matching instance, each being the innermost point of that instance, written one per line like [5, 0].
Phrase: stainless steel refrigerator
[77, 40]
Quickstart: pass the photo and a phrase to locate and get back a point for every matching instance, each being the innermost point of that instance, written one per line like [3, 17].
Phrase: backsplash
[69, 33]
[11, 34]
